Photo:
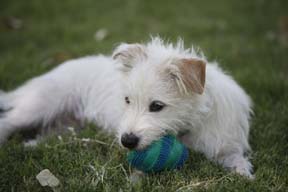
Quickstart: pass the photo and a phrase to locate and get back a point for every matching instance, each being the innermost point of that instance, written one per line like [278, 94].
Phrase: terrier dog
[142, 92]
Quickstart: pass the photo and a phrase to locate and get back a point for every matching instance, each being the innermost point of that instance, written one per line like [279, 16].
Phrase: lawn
[248, 38]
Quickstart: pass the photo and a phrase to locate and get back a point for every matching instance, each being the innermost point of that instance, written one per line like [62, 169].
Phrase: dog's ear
[129, 54]
[189, 75]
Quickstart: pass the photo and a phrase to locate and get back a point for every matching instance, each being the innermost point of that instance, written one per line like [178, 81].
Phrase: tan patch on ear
[193, 74]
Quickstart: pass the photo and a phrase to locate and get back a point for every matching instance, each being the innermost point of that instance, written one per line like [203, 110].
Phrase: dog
[140, 93]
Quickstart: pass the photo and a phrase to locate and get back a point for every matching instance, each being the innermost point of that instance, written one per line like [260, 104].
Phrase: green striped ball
[166, 153]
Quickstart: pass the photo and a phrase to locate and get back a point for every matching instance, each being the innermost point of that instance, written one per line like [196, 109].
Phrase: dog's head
[162, 87]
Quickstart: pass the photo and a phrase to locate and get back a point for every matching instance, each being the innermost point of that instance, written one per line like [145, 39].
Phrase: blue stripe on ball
[138, 159]
[164, 153]
[183, 158]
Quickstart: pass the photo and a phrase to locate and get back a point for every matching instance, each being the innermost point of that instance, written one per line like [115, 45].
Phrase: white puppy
[142, 92]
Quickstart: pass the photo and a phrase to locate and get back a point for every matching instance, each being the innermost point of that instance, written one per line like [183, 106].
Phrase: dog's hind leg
[38, 102]
[4, 110]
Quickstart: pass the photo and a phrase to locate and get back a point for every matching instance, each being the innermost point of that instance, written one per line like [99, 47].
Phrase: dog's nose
[130, 140]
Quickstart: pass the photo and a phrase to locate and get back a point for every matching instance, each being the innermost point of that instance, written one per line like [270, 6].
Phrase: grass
[244, 36]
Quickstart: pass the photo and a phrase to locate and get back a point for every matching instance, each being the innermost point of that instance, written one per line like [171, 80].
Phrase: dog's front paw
[244, 169]
[136, 176]
[239, 164]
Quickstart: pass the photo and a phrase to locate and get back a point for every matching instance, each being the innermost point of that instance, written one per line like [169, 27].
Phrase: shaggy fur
[207, 109]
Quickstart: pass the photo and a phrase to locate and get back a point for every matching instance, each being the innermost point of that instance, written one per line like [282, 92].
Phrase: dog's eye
[127, 100]
[156, 106]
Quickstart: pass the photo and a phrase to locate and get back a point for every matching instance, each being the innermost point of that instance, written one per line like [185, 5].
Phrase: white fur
[93, 88]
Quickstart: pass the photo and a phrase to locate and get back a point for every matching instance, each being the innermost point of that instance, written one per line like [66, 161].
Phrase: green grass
[242, 35]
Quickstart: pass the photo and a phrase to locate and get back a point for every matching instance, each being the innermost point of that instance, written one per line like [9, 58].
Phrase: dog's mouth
[141, 147]
[144, 143]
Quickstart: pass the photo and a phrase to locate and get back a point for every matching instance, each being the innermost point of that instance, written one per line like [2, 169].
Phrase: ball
[167, 153]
